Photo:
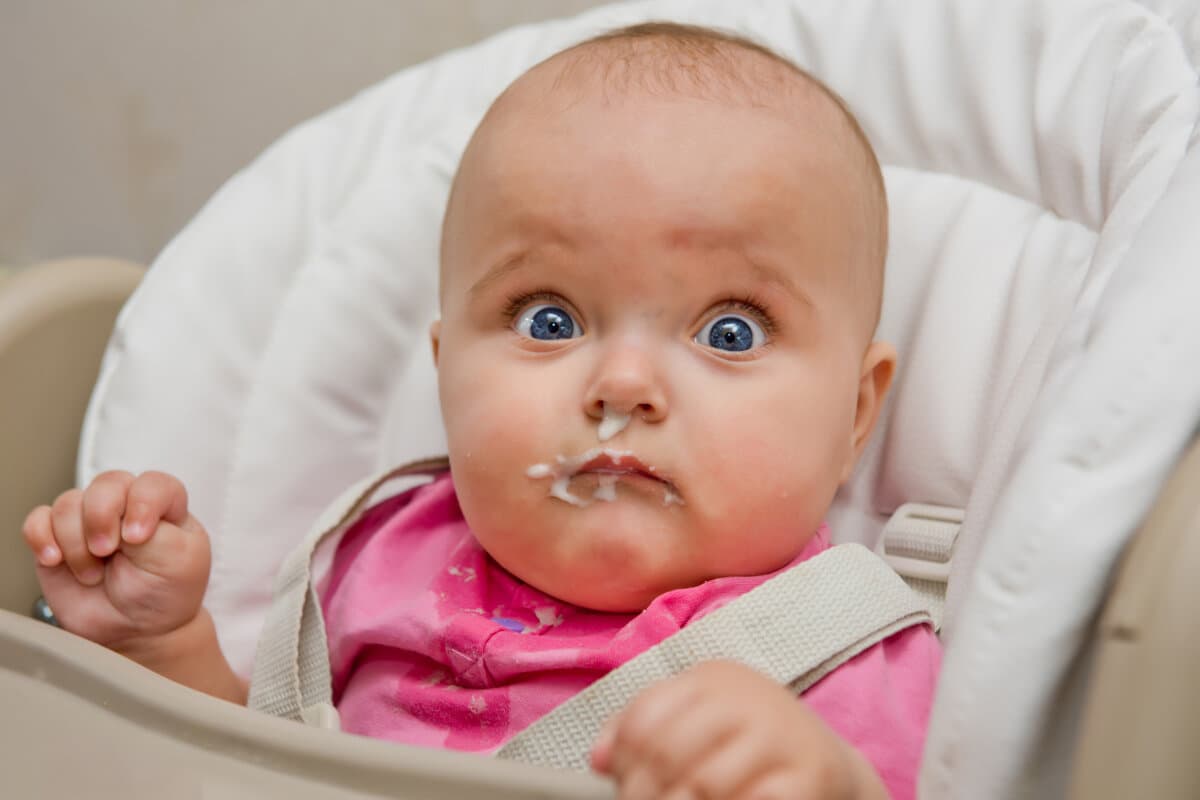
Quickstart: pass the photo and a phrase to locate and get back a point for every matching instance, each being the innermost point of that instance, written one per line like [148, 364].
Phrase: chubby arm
[192, 656]
[124, 564]
[722, 730]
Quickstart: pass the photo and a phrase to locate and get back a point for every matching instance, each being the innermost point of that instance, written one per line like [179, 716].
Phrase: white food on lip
[566, 467]
[559, 489]
[607, 490]
[612, 424]
[569, 465]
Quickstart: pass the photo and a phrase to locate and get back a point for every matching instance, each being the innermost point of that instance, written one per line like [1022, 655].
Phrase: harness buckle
[918, 541]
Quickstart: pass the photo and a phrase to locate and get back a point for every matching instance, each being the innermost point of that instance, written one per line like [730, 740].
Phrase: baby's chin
[596, 572]
[591, 592]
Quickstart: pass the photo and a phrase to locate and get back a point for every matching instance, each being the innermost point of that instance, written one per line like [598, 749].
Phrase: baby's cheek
[760, 482]
[502, 430]
[487, 446]
[483, 406]
[496, 429]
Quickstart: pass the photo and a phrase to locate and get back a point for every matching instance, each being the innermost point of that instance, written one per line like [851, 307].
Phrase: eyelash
[518, 302]
[747, 304]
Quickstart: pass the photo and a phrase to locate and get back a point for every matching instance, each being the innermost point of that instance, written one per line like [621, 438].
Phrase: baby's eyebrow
[765, 271]
[499, 271]
[731, 241]
[770, 273]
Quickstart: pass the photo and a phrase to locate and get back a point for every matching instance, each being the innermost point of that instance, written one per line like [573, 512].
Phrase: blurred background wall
[119, 118]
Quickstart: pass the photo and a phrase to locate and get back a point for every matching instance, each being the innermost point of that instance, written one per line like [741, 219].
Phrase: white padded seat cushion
[1042, 173]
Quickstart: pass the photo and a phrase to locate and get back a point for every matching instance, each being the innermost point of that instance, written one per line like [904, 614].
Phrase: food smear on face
[565, 468]
[612, 424]
[560, 491]
[607, 490]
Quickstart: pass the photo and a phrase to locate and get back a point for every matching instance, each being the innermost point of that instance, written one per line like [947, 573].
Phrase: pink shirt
[432, 643]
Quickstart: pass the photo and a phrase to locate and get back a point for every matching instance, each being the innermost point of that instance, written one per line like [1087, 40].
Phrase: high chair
[1043, 170]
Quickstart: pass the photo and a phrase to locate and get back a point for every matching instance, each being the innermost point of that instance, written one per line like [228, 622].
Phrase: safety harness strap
[795, 629]
[291, 667]
[918, 543]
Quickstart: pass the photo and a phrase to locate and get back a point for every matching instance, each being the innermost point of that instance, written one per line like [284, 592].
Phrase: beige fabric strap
[291, 668]
[795, 628]
[918, 542]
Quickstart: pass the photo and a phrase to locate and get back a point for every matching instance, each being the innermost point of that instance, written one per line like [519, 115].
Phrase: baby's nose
[626, 384]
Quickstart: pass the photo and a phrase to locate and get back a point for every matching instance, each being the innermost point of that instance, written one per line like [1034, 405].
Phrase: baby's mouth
[626, 463]
[597, 472]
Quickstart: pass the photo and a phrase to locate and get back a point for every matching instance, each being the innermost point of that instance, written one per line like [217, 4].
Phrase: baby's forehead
[597, 100]
[734, 74]
[738, 79]
[607, 77]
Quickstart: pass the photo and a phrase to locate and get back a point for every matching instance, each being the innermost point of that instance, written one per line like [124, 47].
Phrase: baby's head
[661, 273]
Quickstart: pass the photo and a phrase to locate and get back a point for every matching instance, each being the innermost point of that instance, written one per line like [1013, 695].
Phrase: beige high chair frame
[76, 717]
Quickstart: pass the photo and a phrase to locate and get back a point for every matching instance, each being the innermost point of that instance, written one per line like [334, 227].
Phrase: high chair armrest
[80, 720]
[1141, 721]
[55, 320]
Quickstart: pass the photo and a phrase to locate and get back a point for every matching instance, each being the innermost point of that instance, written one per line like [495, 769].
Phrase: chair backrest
[55, 318]
[1038, 292]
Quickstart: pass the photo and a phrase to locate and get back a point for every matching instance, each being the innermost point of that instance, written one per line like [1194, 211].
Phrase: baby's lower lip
[633, 478]
[617, 471]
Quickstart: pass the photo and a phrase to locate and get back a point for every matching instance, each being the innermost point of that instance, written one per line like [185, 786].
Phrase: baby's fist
[122, 559]
[723, 730]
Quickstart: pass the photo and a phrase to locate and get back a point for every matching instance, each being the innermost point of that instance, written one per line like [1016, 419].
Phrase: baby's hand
[722, 730]
[122, 560]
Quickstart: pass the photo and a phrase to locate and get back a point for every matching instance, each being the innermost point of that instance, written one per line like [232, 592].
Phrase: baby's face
[677, 263]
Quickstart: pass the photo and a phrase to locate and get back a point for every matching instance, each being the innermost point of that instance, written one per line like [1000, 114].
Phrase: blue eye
[733, 334]
[546, 323]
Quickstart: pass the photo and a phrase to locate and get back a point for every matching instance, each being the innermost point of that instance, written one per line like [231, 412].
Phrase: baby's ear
[435, 332]
[878, 368]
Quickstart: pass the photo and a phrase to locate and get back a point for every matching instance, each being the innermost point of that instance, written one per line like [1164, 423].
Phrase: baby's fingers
[640, 748]
[103, 506]
[66, 516]
[153, 496]
[38, 531]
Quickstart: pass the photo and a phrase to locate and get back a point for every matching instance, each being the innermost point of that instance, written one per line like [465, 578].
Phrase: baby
[661, 272]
